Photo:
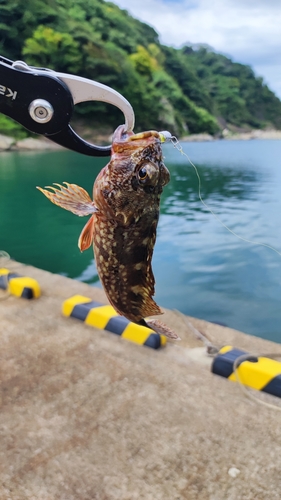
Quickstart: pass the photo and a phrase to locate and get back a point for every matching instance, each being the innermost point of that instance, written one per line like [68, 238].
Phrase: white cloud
[249, 31]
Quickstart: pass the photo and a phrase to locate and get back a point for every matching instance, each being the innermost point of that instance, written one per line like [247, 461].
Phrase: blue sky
[248, 31]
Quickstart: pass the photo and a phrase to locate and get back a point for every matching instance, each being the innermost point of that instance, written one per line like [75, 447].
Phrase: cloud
[246, 30]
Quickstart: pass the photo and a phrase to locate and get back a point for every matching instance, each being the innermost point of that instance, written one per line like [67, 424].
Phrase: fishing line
[246, 392]
[178, 146]
[211, 349]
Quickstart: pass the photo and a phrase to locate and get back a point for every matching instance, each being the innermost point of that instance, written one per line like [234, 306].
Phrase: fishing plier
[42, 100]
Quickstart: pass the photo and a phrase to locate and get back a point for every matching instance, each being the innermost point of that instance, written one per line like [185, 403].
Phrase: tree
[51, 49]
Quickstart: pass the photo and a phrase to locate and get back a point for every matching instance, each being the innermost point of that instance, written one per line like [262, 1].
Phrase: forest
[192, 89]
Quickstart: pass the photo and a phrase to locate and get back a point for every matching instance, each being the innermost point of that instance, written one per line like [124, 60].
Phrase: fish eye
[143, 173]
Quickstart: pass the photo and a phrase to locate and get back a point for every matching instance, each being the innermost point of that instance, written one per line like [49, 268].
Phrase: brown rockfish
[122, 227]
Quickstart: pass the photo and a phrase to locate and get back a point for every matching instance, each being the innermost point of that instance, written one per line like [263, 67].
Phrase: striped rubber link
[263, 374]
[106, 318]
[21, 286]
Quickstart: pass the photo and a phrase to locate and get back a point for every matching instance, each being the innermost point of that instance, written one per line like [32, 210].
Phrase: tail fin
[160, 328]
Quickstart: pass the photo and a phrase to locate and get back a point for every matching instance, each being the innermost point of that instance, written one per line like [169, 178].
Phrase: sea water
[200, 268]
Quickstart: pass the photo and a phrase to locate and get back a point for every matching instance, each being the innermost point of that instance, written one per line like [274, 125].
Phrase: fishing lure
[123, 222]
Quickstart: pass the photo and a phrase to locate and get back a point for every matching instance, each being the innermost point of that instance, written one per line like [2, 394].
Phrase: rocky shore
[43, 144]
[237, 136]
[29, 144]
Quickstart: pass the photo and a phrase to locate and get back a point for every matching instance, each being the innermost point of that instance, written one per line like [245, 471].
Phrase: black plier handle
[42, 101]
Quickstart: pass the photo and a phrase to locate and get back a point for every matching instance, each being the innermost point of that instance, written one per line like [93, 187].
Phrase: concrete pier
[86, 415]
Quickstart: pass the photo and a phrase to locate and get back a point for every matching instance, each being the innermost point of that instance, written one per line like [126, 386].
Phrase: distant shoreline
[8, 143]
[240, 136]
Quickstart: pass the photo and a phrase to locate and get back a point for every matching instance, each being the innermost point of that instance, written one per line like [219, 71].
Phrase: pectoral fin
[72, 198]
[86, 236]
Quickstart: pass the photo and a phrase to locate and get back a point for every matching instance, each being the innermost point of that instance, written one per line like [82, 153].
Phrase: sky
[247, 31]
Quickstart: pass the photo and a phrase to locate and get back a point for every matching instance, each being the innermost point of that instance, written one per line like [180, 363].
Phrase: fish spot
[137, 289]
[139, 266]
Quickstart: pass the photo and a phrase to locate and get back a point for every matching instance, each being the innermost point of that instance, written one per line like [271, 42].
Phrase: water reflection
[218, 183]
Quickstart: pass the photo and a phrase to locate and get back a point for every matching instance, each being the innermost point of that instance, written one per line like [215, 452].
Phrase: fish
[122, 227]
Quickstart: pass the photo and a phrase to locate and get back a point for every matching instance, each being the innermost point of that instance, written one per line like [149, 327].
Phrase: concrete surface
[87, 415]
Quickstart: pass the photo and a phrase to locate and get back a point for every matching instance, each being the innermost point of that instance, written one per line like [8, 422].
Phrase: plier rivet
[41, 111]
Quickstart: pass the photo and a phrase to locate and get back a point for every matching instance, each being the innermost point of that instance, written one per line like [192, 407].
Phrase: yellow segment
[69, 304]
[225, 349]
[163, 340]
[100, 316]
[16, 286]
[4, 271]
[257, 375]
[136, 333]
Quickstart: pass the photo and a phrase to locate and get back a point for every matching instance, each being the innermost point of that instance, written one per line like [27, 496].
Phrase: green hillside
[186, 90]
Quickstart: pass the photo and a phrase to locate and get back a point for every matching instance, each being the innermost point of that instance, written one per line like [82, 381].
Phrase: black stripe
[13, 275]
[223, 363]
[27, 293]
[3, 282]
[274, 386]
[154, 341]
[81, 311]
[117, 325]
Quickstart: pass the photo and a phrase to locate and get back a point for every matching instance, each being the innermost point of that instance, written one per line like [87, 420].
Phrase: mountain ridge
[192, 89]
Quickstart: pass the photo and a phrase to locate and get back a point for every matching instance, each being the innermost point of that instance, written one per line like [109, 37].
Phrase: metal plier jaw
[42, 100]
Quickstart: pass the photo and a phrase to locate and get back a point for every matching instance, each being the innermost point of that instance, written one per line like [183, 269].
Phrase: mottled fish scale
[123, 224]
[124, 267]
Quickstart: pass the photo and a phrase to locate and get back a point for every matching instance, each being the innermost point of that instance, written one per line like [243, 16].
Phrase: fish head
[133, 180]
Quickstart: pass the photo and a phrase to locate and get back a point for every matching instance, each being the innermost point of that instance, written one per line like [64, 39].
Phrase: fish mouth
[122, 135]
[145, 135]
[125, 144]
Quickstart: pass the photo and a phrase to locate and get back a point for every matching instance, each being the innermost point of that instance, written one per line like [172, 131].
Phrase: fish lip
[145, 136]
[121, 134]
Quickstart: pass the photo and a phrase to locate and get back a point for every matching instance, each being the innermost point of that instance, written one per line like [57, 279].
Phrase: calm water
[200, 268]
